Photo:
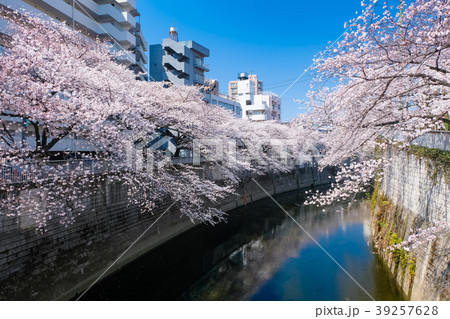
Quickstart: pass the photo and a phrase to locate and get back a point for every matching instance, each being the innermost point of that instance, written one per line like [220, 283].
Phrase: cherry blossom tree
[387, 78]
[421, 236]
[385, 83]
[64, 84]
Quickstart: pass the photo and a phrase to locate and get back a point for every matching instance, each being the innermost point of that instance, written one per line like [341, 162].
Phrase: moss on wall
[387, 233]
[416, 185]
[439, 161]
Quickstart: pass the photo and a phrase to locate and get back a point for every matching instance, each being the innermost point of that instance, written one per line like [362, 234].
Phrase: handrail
[44, 170]
[32, 171]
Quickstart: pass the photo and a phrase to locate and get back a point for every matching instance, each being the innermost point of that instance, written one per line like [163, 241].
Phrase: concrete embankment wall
[413, 193]
[64, 261]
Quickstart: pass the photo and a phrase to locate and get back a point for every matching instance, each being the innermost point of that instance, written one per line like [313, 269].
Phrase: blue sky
[275, 39]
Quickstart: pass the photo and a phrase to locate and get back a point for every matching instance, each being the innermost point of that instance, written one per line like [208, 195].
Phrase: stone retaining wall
[412, 196]
[64, 261]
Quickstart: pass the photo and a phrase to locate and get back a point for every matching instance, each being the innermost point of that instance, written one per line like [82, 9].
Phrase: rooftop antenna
[173, 34]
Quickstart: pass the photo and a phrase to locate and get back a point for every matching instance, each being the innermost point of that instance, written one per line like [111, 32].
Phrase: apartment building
[179, 62]
[257, 105]
[140, 51]
[182, 63]
[113, 20]
[233, 85]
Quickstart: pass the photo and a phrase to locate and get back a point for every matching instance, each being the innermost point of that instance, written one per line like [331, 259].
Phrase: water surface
[261, 254]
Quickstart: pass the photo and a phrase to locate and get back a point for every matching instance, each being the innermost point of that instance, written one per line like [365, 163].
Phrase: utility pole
[403, 103]
[73, 14]
[401, 12]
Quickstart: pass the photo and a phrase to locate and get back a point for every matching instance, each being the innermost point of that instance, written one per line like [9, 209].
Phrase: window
[248, 102]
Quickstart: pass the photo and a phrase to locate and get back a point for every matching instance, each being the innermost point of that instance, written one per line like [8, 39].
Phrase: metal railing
[199, 63]
[39, 171]
[34, 171]
[45, 170]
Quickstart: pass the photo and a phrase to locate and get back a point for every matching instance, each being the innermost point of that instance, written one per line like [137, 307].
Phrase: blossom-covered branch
[58, 86]
[387, 77]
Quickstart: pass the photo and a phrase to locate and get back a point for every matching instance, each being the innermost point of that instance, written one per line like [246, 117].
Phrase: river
[261, 254]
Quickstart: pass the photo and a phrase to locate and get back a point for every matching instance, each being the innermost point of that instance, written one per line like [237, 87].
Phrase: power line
[281, 81]
[310, 67]
[283, 85]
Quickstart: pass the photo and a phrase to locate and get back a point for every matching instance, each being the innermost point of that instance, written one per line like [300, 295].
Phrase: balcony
[262, 107]
[141, 54]
[129, 19]
[144, 41]
[257, 117]
[107, 13]
[199, 64]
[125, 38]
[126, 57]
[200, 79]
[196, 47]
[63, 11]
[127, 4]
[142, 65]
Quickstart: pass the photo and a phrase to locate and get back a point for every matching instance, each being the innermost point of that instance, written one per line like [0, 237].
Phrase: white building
[113, 20]
[256, 104]
[233, 85]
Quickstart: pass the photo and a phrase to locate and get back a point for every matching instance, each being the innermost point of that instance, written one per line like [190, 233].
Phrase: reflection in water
[260, 254]
[285, 264]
